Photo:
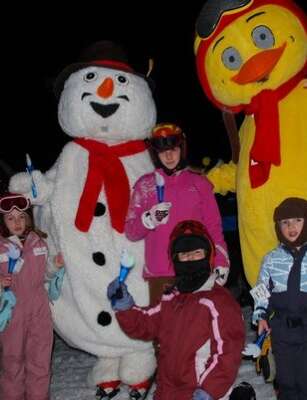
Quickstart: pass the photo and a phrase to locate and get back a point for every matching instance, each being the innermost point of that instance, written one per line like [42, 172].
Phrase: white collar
[15, 239]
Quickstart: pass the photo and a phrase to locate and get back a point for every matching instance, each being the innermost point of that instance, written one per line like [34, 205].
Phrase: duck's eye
[231, 58]
[263, 37]
[90, 77]
[122, 80]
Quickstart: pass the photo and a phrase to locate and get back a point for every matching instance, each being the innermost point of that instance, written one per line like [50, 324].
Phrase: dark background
[40, 40]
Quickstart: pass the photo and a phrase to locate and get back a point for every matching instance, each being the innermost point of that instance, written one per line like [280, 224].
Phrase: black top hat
[102, 54]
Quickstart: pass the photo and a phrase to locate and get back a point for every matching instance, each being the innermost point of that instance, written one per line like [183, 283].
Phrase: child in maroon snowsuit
[197, 323]
[26, 341]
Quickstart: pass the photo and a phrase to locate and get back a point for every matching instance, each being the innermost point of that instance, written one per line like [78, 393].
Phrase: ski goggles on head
[9, 202]
[165, 143]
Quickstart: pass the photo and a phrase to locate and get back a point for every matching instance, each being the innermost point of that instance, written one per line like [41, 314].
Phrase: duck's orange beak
[258, 66]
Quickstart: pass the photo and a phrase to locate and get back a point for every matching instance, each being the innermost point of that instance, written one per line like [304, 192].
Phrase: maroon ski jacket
[201, 336]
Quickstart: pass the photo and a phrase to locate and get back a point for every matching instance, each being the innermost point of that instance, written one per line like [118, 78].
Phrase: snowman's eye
[231, 58]
[122, 79]
[90, 77]
[263, 37]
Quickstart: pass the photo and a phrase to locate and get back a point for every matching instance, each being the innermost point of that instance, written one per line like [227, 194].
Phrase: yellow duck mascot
[252, 57]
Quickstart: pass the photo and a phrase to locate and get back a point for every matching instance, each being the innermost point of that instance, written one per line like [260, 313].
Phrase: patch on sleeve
[39, 251]
[260, 292]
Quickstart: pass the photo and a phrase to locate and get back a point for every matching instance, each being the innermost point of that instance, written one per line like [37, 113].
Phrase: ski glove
[119, 296]
[15, 261]
[8, 302]
[200, 394]
[221, 275]
[158, 214]
[55, 285]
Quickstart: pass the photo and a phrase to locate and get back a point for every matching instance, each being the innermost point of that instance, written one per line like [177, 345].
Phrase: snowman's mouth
[104, 110]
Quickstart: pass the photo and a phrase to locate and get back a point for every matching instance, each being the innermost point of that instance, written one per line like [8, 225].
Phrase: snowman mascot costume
[109, 110]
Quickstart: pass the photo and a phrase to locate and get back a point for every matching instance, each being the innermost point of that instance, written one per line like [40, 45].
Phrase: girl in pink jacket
[161, 199]
[26, 341]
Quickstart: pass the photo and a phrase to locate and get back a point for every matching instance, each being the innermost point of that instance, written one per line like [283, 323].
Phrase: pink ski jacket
[192, 197]
[27, 340]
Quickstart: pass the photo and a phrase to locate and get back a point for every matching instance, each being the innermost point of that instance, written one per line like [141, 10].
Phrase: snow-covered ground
[70, 368]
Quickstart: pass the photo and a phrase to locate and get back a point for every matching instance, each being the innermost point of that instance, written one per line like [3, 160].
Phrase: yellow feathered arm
[223, 178]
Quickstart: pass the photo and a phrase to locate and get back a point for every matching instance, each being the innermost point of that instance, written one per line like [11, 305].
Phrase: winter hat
[292, 207]
[101, 54]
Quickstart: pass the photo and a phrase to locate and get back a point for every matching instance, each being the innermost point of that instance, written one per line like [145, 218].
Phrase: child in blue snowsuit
[283, 308]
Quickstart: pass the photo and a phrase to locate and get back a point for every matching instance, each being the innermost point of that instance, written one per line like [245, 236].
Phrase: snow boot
[102, 394]
[107, 390]
[141, 390]
[136, 394]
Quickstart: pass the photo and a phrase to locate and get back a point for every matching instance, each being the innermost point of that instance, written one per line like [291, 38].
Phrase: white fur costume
[83, 295]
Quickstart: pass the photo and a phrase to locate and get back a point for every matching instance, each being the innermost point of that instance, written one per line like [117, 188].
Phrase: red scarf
[105, 167]
[266, 147]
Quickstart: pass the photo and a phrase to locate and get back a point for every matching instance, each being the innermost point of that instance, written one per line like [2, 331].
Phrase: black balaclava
[293, 207]
[191, 275]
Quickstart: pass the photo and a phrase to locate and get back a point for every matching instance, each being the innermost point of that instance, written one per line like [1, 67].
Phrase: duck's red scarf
[265, 150]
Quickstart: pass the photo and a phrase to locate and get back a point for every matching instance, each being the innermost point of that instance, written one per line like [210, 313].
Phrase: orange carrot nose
[259, 66]
[106, 88]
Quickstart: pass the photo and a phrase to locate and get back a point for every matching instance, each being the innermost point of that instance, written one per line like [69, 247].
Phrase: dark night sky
[51, 38]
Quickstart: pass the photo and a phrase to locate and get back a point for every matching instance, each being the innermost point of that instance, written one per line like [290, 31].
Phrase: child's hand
[221, 275]
[200, 394]
[263, 326]
[6, 281]
[158, 214]
[121, 299]
[59, 261]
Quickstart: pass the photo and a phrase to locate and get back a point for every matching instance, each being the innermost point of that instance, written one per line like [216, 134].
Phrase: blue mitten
[8, 303]
[13, 254]
[121, 299]
[113, 287]
[200, 394]
[55, 285]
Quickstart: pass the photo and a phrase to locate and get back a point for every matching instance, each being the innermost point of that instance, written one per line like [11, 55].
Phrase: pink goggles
[11, 201]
